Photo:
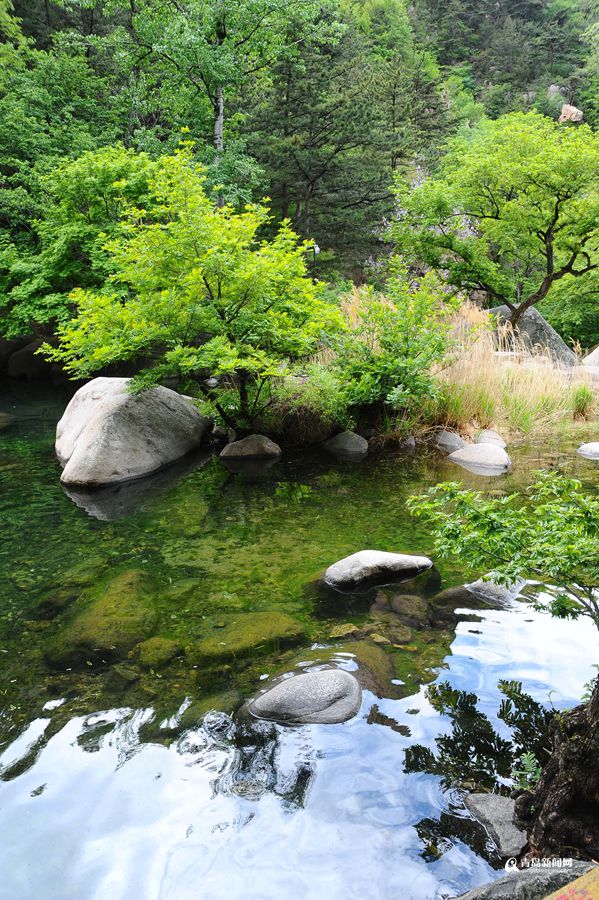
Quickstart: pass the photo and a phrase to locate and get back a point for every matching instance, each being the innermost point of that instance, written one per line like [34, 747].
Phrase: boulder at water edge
[324, 697]
[482, 459]
[108, 435]
[449, 441]
[496, 813]
[371, 566]
[254, 446]
[347, 445]
[487, 436]
[589, 451]
[529, 884]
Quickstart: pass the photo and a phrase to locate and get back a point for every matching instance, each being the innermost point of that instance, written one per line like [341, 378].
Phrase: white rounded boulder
[324, 697]
[482, 459]
[368, 566]
[108, 435]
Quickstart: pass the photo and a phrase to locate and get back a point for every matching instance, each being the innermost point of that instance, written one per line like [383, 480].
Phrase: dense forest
[319, 106]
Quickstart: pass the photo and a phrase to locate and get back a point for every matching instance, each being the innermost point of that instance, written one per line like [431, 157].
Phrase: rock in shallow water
[482, 459]
[589, 451]
[487, 436]
[371, 566]
[254, 446]
[347, 445]
[528, 884]
[496, 813]
[449, 441]
[108, 435]
[324, 697]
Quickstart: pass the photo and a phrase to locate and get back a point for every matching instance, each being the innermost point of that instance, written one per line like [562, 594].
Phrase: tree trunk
[219, 121]
[561, 815]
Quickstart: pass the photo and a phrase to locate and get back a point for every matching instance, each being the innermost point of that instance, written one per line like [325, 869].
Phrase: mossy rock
[106, 628]
[411, 609]
[375, 666]
[226, 701]
[247, 634]
[157, 652]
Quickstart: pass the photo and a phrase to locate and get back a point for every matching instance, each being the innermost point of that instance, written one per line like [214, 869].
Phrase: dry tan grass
[495, 380]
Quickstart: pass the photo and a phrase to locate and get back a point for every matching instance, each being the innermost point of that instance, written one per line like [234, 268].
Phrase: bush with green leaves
[197, 291]
[548, 533]
[388, 357]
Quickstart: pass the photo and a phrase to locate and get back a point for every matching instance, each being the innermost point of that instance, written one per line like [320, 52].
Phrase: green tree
[513, 210]
[548, 533]
[195, 289]
[84, 201]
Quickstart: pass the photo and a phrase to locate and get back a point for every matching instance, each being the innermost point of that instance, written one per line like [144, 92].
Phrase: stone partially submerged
[449, 441]
[530, 884]
[369, 567]
[589, 451]
[325, 697]
[108, 435]
[496, 813]
[487, 436]
[254, 446]
[347, 445]
[482, 459]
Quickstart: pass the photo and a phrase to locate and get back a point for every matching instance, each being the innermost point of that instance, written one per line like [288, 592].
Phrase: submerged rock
[347, 445]
[488, 436]
[589, 451]
[529, 884]
[496, 813]
[157, 652]
[108, 435]
[371, 566]
[108, 627]
[254, 446]
[249, 633]
[325, 697]
[493, 592]
[449, 441]
[482, 459]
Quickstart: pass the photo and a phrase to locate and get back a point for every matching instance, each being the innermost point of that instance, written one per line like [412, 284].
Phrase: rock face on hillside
[571, 113]
[324, 697]
[108, 435]
[538, 334]
[371, 566]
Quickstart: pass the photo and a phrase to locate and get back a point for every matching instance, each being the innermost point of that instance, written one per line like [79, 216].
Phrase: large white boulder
[369, 566]
[482, 459]
[108, 434]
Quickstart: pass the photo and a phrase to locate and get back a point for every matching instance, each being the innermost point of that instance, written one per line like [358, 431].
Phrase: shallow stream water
[115, 783]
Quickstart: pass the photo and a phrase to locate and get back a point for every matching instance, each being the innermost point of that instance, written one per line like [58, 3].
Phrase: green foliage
[84, 202]
[389, 356]
[195, 288]
[583, 401]
[549, 533]
[316, 394]
[528, 775]
[513, 210]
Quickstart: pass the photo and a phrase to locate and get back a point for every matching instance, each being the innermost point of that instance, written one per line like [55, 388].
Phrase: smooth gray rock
[254, 446]
[108, 435]
[487, 436]
[592, 359]
[482, 459]
[495, 593]
[367, 566]
[528, 884]
[496, 813]
[449, 441]
[589, 451]
[348, 445]
[537, 333]
[324, 697]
